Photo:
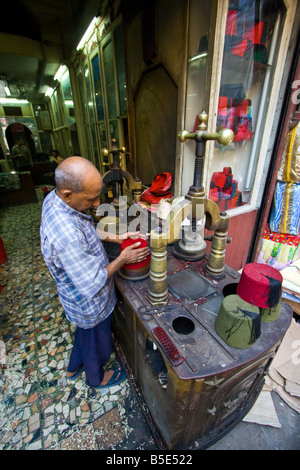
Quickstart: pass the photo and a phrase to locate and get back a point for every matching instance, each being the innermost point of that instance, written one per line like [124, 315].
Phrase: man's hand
[125, 236]
[115, 238]
[133, 254]
[130, 254]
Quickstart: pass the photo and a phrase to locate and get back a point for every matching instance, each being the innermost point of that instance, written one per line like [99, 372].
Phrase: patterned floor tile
[39, 407]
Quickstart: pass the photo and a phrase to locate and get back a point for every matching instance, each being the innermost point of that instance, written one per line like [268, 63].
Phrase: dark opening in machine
[183, 325]
[230, 289]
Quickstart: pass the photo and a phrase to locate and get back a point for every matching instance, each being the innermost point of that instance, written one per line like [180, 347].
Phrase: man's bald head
[73, 173]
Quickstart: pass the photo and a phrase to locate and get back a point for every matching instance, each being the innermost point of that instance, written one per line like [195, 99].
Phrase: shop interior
[212, 182]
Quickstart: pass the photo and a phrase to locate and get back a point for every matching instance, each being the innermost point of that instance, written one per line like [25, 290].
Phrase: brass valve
[224, 136]
[115, 151]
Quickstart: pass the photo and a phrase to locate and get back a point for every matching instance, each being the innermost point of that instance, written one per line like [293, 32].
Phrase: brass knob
[183, 136]
[114, 150]
[224, 136]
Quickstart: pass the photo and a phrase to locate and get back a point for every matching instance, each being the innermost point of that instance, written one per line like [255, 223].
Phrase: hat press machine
[115, 176]
[195, 207]
[191, 385]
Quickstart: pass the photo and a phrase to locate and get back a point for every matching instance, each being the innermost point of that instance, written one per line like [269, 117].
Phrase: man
[75, 257]
[56, 157]
[21, 157]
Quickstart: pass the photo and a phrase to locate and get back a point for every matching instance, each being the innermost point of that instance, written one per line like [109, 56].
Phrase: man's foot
[112, 377]
[74, 375]
[108, 375]
[70, 374]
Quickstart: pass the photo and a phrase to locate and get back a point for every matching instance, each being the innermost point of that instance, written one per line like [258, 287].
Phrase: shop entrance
[17, 131]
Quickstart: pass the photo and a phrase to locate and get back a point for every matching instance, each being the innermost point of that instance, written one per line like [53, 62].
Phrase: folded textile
[292, 272]
[290, 166]
[159, 189]
[285, 212]
[278, 255]
[290, 286]
[284, 238]
[290, 295]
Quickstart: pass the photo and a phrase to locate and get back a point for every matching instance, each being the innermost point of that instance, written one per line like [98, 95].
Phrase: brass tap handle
[115, 151]
[224, 136]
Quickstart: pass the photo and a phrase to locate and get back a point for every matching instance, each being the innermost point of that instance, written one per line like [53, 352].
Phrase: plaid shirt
[76, 258]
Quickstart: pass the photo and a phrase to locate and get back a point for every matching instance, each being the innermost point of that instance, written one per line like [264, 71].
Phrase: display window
[121, 71]
[69, 110]
[110, 88]
[87, 111]
[252, 34]
[101, 85]
[97, 84]
[234, 72]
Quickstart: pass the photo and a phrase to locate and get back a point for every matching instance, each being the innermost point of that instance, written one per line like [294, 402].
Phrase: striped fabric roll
[285, 213]
[291, 161]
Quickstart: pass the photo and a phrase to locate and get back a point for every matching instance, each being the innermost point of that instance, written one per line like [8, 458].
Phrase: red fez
[260, 285]
[143, 243]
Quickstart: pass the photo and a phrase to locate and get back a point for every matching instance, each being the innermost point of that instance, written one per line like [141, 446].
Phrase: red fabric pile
[159, 189]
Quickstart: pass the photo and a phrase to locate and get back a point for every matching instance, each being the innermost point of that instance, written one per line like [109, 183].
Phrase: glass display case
[98, 93]
[246, 49]
[101, 83]
[67, 96]
[10, 181]
[110, 86]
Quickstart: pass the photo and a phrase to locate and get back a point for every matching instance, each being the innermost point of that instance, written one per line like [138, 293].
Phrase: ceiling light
[49, 91]
[87, 34]
[12, 101]
[62, 69]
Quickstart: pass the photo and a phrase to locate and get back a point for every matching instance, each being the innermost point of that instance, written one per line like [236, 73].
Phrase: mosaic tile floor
[39, 407]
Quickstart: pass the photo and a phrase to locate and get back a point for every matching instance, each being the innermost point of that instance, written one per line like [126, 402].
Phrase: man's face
[89, 197]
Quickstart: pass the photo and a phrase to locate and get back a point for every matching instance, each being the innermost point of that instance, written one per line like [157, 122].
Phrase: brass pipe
[158, 286]
[216, 261]
[159, 239]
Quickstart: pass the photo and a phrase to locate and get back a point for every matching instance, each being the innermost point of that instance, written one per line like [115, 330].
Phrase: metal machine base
[188, 256]
[195, 386]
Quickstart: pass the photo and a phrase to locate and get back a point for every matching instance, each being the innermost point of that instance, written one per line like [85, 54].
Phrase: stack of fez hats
[257, 299]
[135, 271]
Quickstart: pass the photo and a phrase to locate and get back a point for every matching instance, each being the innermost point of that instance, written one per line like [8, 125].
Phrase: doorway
[17, 131]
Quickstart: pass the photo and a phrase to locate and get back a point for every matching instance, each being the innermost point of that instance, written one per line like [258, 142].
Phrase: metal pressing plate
[189, 284]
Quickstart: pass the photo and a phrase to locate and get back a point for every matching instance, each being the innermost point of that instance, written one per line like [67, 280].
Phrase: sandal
[77, 374]
[118, 377]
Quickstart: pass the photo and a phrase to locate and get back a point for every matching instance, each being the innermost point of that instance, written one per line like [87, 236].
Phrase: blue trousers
[92, 349]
